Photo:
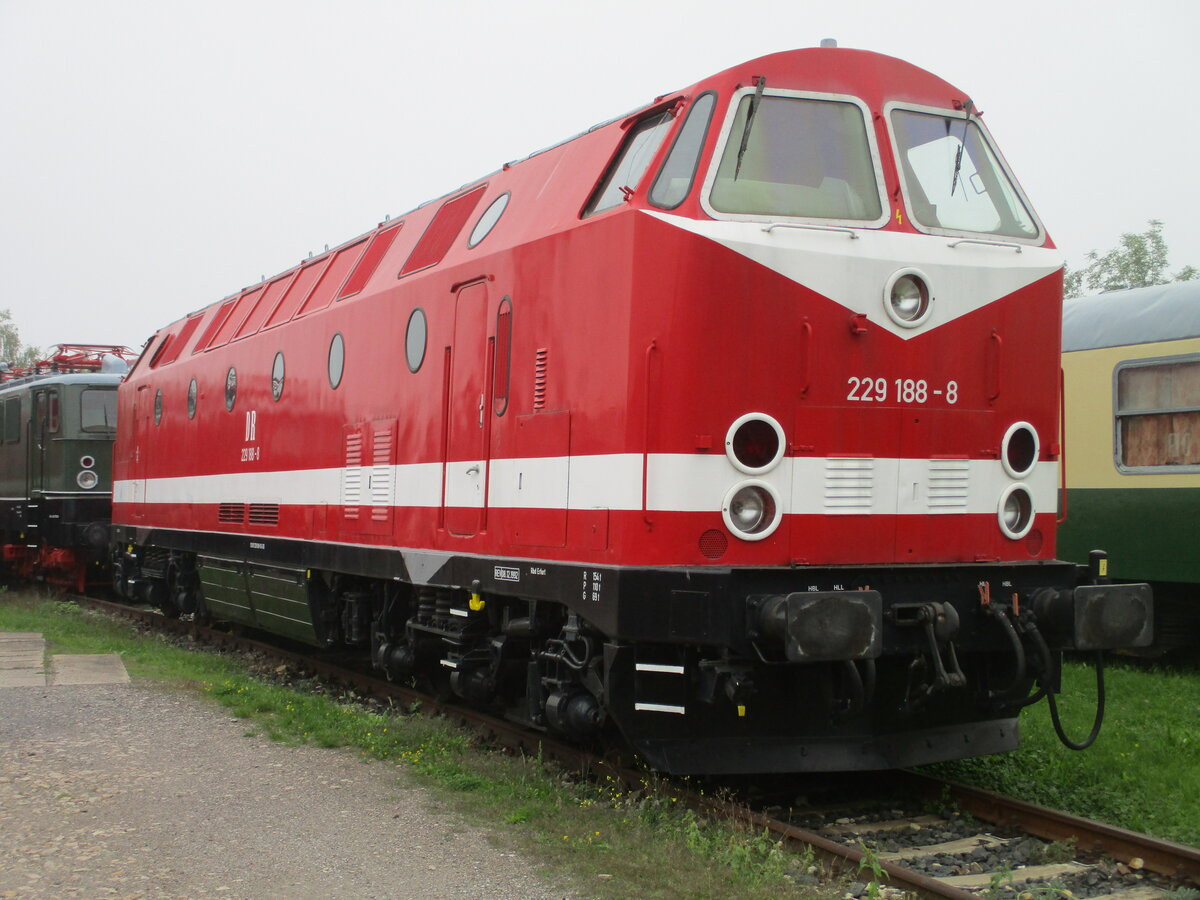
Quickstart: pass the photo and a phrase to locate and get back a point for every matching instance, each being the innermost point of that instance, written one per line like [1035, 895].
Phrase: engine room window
[626, 171]
[277, 376]
[679, 171]
[414, 340]
[337, 360]
[158, 407]
[230, 388]
[488, 220]
[797, 158]
[952, 178]
[192, 391]
[1158, 414]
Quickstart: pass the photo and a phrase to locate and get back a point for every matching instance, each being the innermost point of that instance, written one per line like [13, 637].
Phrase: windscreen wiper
[968, 107]
[760, 83]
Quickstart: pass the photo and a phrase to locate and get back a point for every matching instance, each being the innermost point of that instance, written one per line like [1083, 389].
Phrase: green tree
[1139, 260]
[11, 350]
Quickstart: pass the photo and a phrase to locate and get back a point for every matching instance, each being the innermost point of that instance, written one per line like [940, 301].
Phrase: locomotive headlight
[1016, 511]
[87, 479]
[907, 298]
[751, 510]
[754, 443]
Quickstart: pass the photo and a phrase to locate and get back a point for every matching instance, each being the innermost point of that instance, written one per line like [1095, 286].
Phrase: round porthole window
[192, 391]
[230, 388]
[337, 360]
[277, 376]
[158, 407]
[414, 340]
[488, 220]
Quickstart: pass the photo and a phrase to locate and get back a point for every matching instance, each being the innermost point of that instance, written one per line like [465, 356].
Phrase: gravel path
[130, 792]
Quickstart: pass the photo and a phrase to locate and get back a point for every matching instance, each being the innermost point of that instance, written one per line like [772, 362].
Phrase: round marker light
[87, 479]
[751, 510]
[754, 443]
[1019, 449]
[907, 298]
[87, 461]
[1016, 511]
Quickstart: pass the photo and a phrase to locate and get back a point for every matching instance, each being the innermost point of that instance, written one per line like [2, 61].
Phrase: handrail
[850, 231]
[1016, 247]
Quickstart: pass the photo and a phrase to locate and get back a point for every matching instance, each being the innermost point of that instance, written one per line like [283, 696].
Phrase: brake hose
[1067, 742]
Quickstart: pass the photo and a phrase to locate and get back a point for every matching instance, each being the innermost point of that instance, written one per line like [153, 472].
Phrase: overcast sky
[157, 155]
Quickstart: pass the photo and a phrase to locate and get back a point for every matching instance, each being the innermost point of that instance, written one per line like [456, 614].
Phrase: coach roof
[1162, 312]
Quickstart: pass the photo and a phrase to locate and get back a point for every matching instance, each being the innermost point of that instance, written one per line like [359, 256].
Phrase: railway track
[879, 832]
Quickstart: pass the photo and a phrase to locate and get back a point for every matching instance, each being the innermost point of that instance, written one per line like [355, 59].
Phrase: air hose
[1030, 627]
[1091, 738]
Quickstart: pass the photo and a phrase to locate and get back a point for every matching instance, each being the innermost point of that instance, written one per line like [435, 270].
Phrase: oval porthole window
[414, 340]
[337, 360]
[158, 407]
[230, 388]
[192, 390]
[488, 220]
[277, 376]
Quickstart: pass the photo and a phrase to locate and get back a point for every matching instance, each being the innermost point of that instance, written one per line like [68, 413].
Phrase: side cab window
[675, 179]
[638, 150]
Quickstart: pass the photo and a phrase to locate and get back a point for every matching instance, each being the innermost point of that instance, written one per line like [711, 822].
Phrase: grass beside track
[609, 843]
[1143, 771]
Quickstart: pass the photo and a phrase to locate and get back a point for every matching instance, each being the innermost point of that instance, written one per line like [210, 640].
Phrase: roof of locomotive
[1161, 312]
[94, 379]
[835, 69]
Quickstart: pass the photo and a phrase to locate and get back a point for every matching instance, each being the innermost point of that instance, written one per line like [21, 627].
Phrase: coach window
[12, 421]
[1158, 413]
[192, 391]
[230, 388]
[636, 153]
[337, 360]
[98, 410]
[277, 376]
[675, 180]
[414, 340]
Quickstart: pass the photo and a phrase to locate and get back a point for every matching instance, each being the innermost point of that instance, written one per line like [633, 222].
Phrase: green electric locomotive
[57, 425]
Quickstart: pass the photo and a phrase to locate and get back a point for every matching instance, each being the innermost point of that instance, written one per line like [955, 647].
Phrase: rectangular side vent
[381, 475]
[352, 476]
[231, 512]
[849, 484]
[948, 483]
[540, 378]
[264, 513]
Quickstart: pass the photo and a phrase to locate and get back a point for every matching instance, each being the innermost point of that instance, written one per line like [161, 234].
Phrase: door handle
[473, 470]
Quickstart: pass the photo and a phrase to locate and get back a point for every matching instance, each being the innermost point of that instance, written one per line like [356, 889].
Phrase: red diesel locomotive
[732, 422]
